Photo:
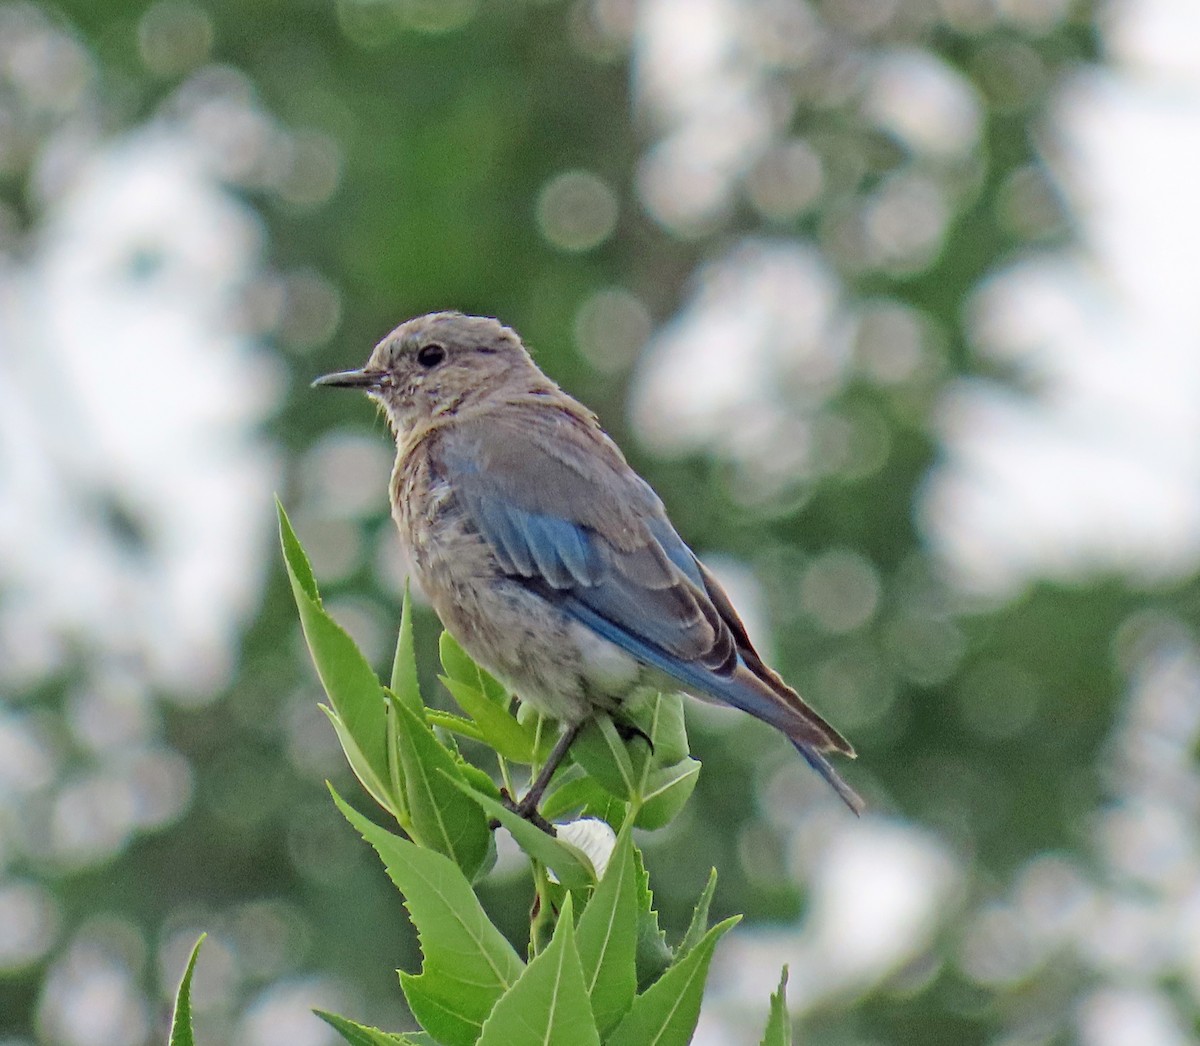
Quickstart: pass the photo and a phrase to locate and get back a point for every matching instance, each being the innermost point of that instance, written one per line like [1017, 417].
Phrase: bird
[545, 555]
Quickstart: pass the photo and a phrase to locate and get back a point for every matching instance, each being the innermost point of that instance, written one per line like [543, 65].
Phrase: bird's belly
[548, 659]
[604, 667]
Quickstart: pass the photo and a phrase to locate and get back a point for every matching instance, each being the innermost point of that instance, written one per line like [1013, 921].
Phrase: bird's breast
[446, 551]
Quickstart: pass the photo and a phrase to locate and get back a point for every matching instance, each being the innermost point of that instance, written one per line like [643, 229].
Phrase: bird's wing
[565, 514]
[563, 511]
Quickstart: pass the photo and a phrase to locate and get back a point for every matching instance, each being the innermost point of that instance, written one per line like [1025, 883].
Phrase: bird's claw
[526, 810]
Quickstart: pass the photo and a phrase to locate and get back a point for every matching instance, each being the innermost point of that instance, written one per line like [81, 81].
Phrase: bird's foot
[527, 810]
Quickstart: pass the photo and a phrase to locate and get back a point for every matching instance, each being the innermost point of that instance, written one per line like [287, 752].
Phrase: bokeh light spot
[576, 211]
[29, 920]
[611, 328]
[174, 36]
[346, 474]
[89, 998]
[786, 181]
[309, 310]
[840, 590]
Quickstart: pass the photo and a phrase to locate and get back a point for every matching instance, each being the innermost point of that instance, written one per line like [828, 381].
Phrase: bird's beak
[352, 379]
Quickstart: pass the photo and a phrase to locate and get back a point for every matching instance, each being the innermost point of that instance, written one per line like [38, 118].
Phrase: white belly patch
[604, 666]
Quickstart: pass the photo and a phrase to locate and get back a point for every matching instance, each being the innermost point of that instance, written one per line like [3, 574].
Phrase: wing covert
[585, 531]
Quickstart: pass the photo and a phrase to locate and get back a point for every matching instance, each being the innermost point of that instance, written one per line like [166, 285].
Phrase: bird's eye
[430, 355]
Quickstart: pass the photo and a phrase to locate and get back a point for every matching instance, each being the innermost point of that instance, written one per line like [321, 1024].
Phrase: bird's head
[440, 363]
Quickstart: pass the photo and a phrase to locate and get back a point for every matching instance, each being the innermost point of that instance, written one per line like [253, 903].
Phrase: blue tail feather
[823, 767]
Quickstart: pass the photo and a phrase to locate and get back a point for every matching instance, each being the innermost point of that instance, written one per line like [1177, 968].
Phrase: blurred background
[893, 301]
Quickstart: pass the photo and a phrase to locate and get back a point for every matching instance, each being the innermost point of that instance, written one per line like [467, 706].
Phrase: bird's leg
[527, 807]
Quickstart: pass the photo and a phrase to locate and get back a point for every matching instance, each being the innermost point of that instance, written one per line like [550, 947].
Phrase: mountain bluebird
[545, 555]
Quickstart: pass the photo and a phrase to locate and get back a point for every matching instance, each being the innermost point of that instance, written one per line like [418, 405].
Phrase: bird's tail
[764, 694]
[825, 768]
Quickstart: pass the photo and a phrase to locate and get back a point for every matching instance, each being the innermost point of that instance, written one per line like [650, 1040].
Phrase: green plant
[598, 968]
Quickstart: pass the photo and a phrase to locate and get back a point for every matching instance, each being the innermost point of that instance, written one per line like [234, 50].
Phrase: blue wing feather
[533, 544]
[569, 559]
[503, 533]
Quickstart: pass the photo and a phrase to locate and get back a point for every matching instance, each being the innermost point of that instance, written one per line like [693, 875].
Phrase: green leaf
[360, 1035]
[654, 956]
[443, 819]
[460, 667]
[666, 1013]
[549, 1003]
[578, 791]
[663, 721]
[499, 729]
[468, 963]
[699, 924]
[405, 685]
[456, 724]
[354, 691]
[380, 791]
[665, 791]
[667, 776]
[568, 862]
[607, 937]
[543, 729]
[477, 778]
[482, 783]
[299, 568]
[657, 782]
[601, 752]
[181, 1022]
[397, 787]
[779, 1023]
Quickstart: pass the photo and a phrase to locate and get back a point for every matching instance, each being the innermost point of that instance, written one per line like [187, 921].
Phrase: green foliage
[654, 955]
[487, 703]
[405, 686]
[181, 1022]
[549, 1003]
[779, 1025]
[699, 924]
[607, 938]
[462, 669]
[665, 1014]
[655, 778]
[360, 1035]
[569, 863]
[468, 963]
[611, 979]
[442, 817]
[386, 738]
[359, 712]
